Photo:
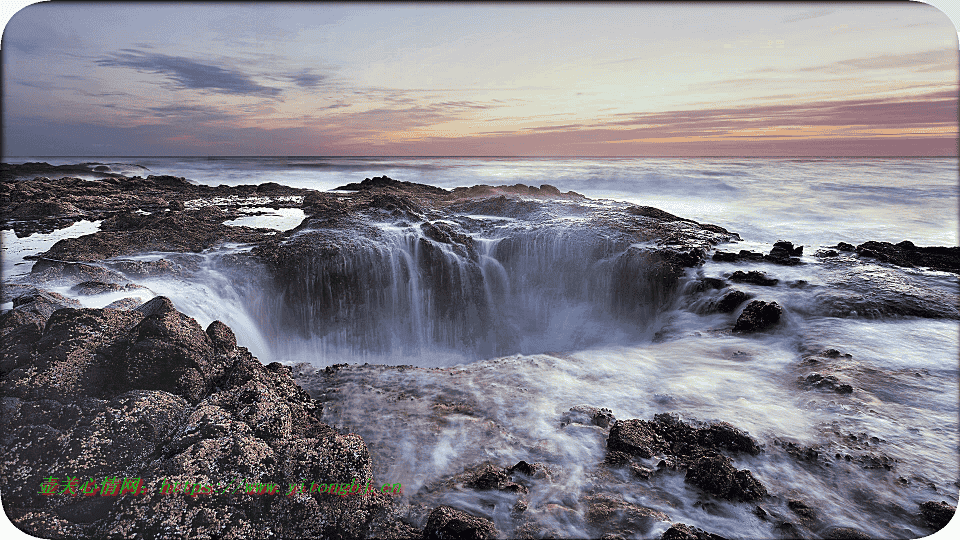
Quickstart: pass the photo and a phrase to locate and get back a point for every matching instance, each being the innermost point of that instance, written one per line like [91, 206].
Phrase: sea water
[904, 369]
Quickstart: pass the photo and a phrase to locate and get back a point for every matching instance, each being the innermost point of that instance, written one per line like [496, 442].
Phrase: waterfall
[400, 292]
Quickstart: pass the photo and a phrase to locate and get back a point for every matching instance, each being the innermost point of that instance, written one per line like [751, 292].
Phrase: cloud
[190, 74]
[308, 79]
[925, 61]
[807, 15]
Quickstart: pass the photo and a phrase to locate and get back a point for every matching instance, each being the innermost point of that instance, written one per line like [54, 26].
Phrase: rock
[845, 533]
[754, 277]
[612, 515]
[99, 287]
[906, 254]
[379, 182]
[66, 410]
[584, 414]
[757, 316]
[714, 474]
[636, 437]
[125, 304]
[487, 477]
[19, 346]
[35, 306]
[937, 514]
[603, 418]
[826, 253]
[731, 301]
[222, 337]
[680, 531]
[843, 246]
[725, 256]
[446, 523]
[826, 382]
[728, 437]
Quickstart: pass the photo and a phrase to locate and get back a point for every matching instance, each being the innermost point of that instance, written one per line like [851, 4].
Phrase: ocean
[889, 445]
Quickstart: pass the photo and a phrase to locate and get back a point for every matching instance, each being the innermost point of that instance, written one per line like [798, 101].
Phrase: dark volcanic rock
[731, 301]
[545, 191]
[714, 474]
[725, 256]
[758, 315]
[132, 233]
[845, 533]
[754, 277]
[937, 514]
[611, 515]
[826, 382]
[636, 437]
[35, 306]
[446, 523]
[906, 254]
[668, 434]
[387, 182]
[680, 531]
[148, 394]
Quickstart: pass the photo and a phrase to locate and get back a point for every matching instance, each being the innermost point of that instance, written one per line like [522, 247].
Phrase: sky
[623, 79]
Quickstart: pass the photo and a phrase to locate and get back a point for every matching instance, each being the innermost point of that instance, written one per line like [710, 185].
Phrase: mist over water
[504, 341]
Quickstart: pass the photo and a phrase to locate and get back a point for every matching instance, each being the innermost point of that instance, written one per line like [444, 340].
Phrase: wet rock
[584, 414]
[787, 248]
[826, 382]
[379, 182]
[44, 209]
[937, 514]
[757, 316]
[754, 277]
[545, 191]
[845, 533]
[801, 508]
[99, 287]
[66, 409]
[656, 213]
[446, 523]
[728, 437]
[714, 474]
[19, 346]
[906, 254]
[124, 304]
[131, 233]
[487, 477]
[603, 418]
[636, 437]
[642, 472]
[680, 531]
[826, 253]
[843, 246]
[36, 306]
[725, 256]
[222, 337]
[731, 301]
[612, 515]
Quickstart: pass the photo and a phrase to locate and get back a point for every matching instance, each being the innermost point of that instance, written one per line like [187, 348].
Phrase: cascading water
[402, 292]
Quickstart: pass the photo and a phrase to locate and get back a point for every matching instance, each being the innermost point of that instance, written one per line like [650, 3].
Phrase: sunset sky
[640, 79]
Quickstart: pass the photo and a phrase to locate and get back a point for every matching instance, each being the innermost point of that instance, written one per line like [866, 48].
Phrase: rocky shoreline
[143, 391]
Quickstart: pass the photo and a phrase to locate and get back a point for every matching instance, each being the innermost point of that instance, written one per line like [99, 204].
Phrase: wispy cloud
[189, 74]
[926, 61]
[307, 78]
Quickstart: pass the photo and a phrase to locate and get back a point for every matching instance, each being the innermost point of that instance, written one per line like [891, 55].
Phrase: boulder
[714, 474]
[754, 277]
[937, 514]
[757, 316]
[446, 523]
